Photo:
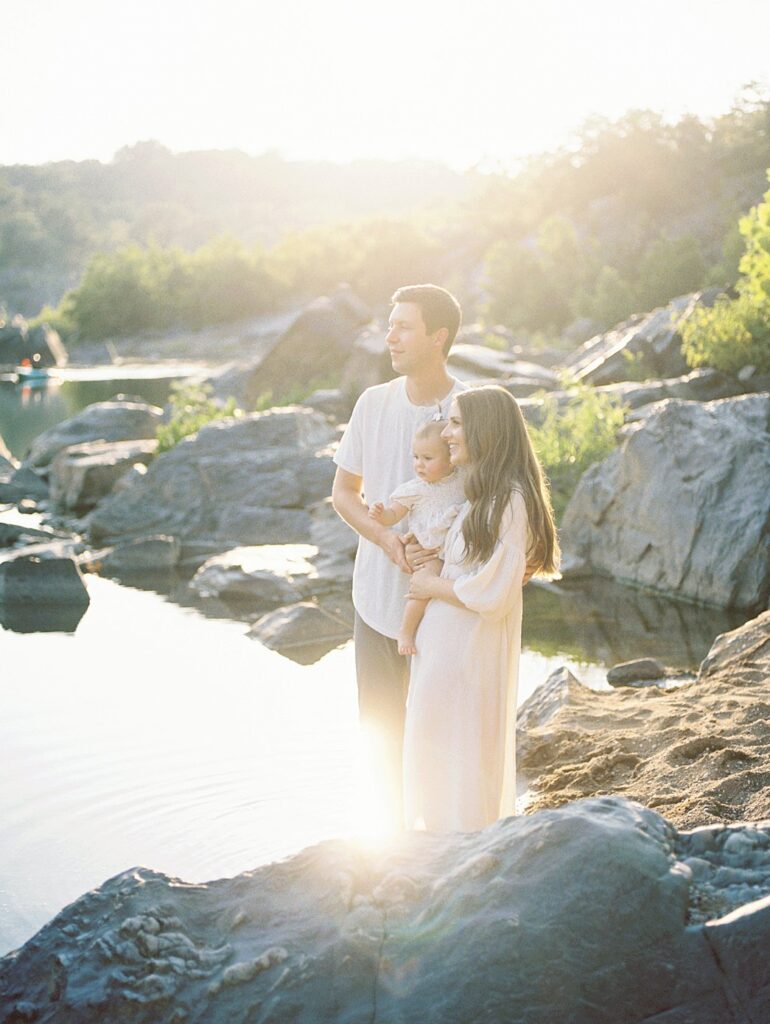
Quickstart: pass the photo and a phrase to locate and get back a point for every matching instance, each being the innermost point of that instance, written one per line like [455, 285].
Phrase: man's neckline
[435, 402]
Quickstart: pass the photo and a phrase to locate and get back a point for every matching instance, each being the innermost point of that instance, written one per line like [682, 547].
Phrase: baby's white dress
[460, 734]
[432, 507]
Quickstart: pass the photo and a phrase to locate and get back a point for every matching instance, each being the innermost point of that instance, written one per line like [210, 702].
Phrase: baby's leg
[413, 613]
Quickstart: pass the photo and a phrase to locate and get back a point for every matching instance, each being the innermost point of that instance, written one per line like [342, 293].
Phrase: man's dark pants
[383, 681]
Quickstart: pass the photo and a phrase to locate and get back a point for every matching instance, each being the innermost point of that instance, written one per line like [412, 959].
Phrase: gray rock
[558, 691]
[41, 575]
[738, 650]
[473, 362]
[315, 347]
[144, 555]
[23, 483]
[651, 345]
[368, 364]
[335, 541]
[585, 914]
[303, 631]
[82, 474]
[682, 505]
[102, 421]
[8, 465]
[636, 671]
[332, 402]
[242, 481]
[264, 576]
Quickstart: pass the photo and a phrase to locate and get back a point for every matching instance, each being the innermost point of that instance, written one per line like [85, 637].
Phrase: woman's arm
[425, 583]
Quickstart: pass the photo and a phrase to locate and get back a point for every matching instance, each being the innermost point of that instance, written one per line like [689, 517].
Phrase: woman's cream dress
[459, 742]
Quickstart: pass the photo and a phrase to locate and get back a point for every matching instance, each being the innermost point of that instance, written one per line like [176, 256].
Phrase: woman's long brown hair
[501, 460]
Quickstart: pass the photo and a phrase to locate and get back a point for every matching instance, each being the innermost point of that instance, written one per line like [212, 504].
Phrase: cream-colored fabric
[377, 445]
[459, 744]
[432, 506]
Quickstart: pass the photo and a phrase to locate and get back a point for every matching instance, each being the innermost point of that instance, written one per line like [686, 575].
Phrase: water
[26, 410]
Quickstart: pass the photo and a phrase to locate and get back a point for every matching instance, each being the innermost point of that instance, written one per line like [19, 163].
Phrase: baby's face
[431, 459]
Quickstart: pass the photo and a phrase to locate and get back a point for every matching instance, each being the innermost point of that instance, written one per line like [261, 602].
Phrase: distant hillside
[54, 216]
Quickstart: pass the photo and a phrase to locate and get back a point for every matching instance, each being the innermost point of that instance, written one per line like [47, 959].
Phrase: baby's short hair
[430, 430]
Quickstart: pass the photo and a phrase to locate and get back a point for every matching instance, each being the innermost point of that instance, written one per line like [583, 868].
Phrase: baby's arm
[388, 515]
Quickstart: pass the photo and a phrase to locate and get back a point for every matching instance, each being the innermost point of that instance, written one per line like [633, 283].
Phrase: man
[374, 457]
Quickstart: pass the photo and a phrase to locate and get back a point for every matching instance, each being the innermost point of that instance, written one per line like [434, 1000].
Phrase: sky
[469, 83]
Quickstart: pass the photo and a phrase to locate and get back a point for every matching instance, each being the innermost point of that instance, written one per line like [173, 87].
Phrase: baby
[432, 500]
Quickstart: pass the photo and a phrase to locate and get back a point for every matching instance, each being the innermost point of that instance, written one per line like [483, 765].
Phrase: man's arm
[347, 498]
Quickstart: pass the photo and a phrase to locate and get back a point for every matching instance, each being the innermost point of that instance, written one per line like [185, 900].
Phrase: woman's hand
[416, 554]
[422, 581]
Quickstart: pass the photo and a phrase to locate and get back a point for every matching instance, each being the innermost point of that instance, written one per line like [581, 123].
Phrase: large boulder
[304, 631]
[650, 345]
[42, 574]
[314, 348]
[103, 421]
[241, 481]
[596, 913]
[82, 474]
[22, 484]
[682, 505]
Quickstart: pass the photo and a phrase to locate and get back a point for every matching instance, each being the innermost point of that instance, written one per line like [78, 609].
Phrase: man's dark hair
[439, 308]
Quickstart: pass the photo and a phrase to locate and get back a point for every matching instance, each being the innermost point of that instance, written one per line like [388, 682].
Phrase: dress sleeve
[493, 587]
[408, 494]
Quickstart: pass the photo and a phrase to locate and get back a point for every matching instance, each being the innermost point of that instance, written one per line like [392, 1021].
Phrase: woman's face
[454, 436]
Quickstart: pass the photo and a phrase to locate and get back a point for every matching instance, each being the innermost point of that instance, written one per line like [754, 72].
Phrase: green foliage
[572, 437]
[192, 408]
[670, 267]
[609, 300]
[736, 332]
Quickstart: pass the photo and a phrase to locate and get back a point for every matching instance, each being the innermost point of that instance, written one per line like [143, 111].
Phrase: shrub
[572, 437]
[736, 332]
[191, 408]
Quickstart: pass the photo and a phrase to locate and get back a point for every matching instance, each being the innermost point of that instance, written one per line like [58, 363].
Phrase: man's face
[411, 347]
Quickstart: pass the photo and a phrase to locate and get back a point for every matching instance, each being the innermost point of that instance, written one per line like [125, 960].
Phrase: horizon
[412, 83]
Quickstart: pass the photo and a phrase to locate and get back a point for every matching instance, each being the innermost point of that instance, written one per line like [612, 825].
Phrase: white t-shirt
[377, 445]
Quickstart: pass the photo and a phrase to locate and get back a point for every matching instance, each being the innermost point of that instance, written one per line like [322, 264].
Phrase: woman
[459, 763]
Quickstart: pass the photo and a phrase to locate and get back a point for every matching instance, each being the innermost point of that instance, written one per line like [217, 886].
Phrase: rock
[41, 575]
[584, 914]
[658, 510]
[702, 385]
[8, 465]
[303, 632]
[144, 555]
[316, 346]
[23, 483]
[12, 535]
[368, 364]
[636, 671]
[242, 481]
[336, 544]
[559, 690]
[41, 345]
[102, 421]
[332, 402]
[472, 362]
[264, 576]
[745, 652]
[650, 345]
[82, 474]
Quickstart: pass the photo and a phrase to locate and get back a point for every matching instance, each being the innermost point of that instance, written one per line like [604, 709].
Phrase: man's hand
[392, 544]
[416, 554]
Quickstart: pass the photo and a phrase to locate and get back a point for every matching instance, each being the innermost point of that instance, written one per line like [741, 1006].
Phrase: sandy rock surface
[699, 754]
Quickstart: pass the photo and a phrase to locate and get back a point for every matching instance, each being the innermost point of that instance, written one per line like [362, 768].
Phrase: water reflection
[599, 621]
[27, 411]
